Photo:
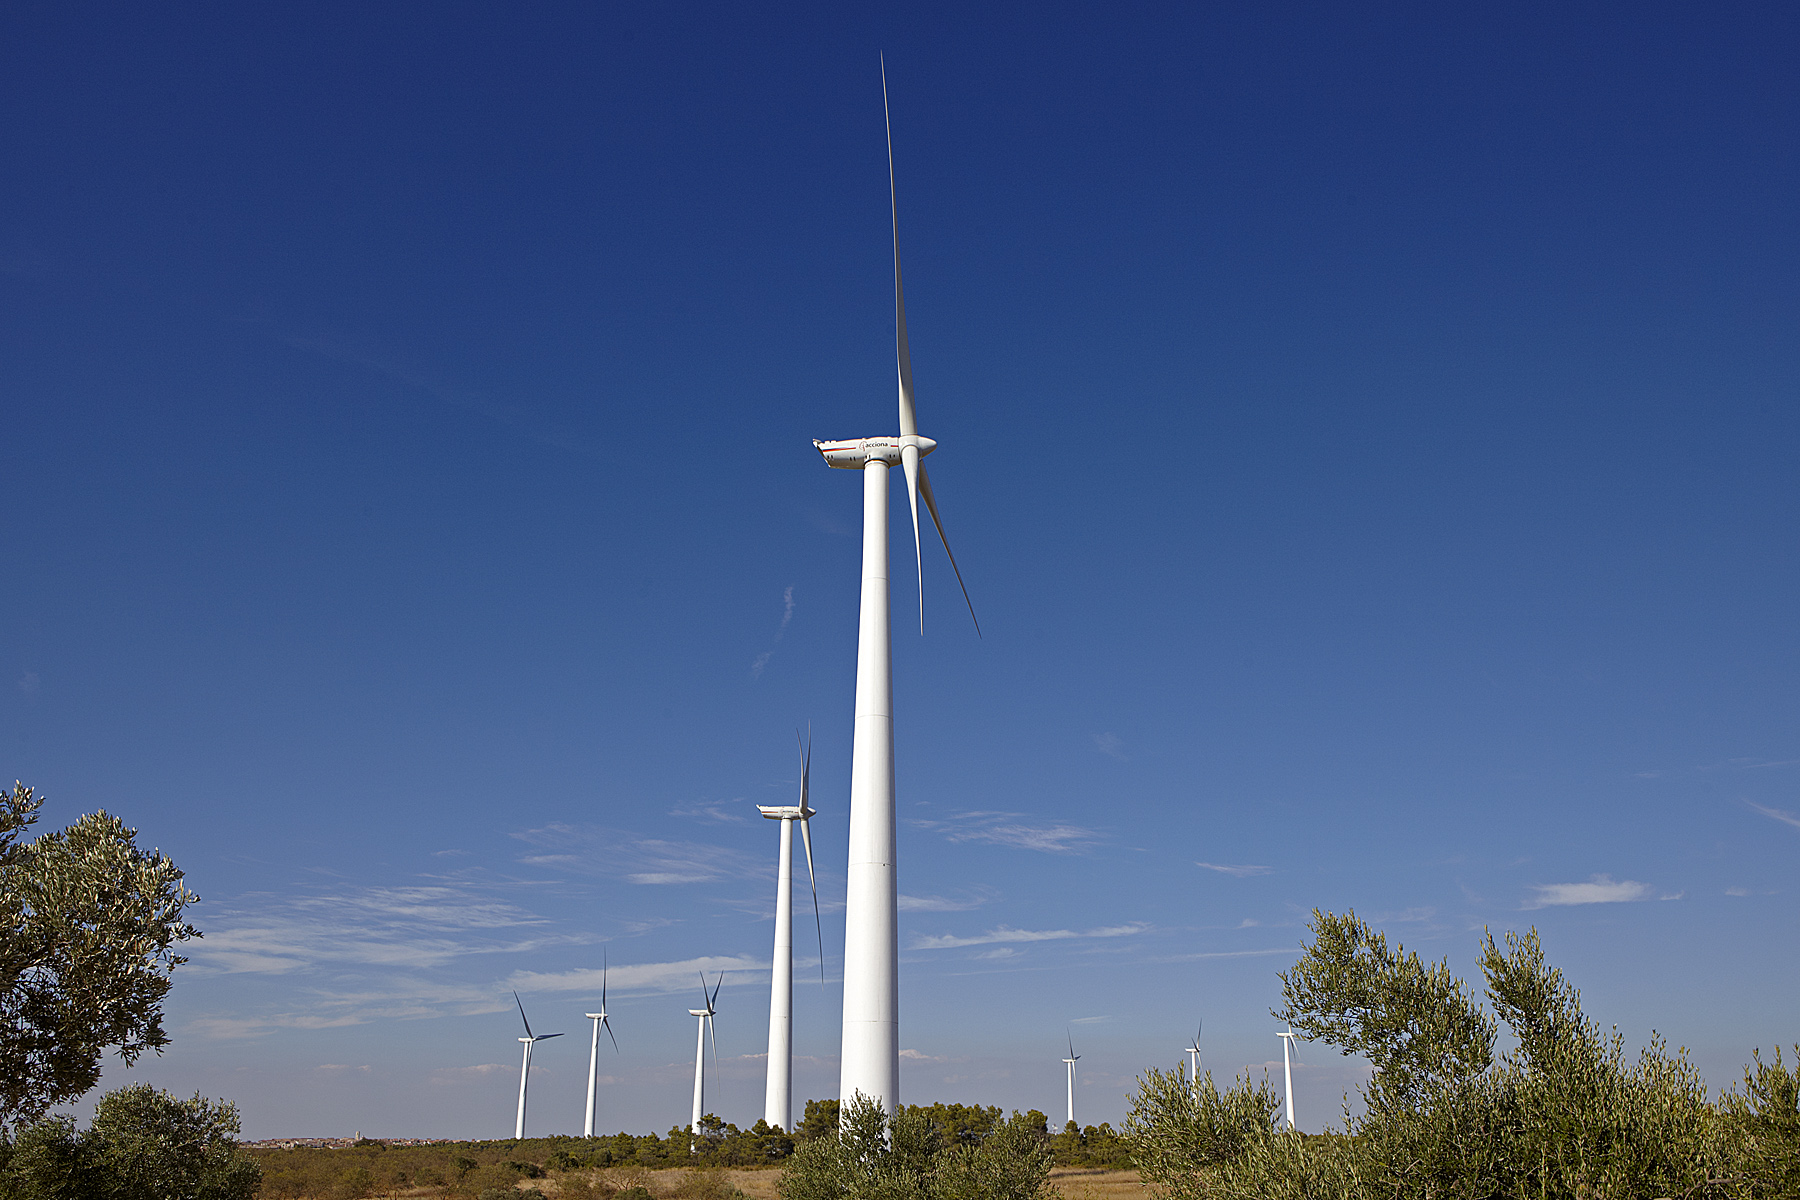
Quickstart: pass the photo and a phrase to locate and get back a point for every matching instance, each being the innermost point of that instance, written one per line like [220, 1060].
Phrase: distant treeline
[469, 1169]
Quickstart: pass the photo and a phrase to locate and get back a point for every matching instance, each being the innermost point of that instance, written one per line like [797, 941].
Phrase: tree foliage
[1566, 1114]
[908, 1157]
[88, 926]
[143, 1144]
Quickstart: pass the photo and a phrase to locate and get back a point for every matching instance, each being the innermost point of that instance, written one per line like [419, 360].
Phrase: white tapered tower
[1288, 1037]
[870, 1063]
[1193, 1053]
[600, 1021]
[705, 1016]
[778, 1098]
[1070, 1063]
[530, 1039]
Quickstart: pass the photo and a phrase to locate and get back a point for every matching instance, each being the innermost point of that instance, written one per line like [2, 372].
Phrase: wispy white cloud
[626, 978]
[342, 1067]
[1018, 830]
[939, 903]
[590, 850]
[1110, 744]
[1007, 934]
[1601, 889]
[452, 1076]
[787, 616]
[715, 812]
[1206, 954]
[406, 927]
[1775, 814]
[1236, 870]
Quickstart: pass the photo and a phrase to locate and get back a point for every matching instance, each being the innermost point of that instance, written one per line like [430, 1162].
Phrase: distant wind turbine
[1193, 1053]
[1071, 1061]
[778, 1099]
[599, 1020]
[706, 1020]
[1288, 1055]
[870, 1063]
[530, 1039]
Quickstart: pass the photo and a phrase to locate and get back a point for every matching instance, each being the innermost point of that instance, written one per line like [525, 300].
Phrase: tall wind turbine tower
[1070, 1062]
[599, 1020]
[778, 1100]
[870, 1063]
[1193, 1053]
[1288, 1037]
[530, 1039]
[706, 1019]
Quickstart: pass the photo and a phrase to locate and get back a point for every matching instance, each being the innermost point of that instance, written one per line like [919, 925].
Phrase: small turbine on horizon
[1070, 1062]
[600, 1021]
[1193, 1053]
[778, 1099]
[530, 1039]
[1288, 1056]
[706, 1026]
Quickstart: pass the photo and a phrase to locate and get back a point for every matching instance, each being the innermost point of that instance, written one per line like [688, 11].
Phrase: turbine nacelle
[853, 454]
[786, 812]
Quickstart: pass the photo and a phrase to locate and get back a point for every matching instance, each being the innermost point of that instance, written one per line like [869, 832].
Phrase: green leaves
[88, 926]
[869, 1157]
[1416, 1022]
[143, 1144]
[1565, 1115]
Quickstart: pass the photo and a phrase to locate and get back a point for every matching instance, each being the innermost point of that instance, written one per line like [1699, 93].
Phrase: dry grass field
[1075, 1183]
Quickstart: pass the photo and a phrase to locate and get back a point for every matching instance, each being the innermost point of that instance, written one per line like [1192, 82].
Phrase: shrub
[1566, 1114]
[870, 1157]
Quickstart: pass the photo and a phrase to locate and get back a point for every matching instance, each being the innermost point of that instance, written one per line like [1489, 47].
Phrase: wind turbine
[599, 1020]
[706, 1019]
[871, 1048]
[530, 1039]
[1071, 1061]
[1288, 1038]
[778, 1099]
[1193, 1053]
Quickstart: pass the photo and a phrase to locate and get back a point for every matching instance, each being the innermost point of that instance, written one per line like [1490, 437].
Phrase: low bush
[1566, 1114]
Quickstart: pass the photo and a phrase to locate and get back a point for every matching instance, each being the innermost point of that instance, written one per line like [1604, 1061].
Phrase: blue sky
[1367, 435]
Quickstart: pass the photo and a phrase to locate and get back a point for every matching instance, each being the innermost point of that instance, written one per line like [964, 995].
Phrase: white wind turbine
[1288, 1054]
[1070, 1062]
[870, 1062]
[1193, 1053]
[599, 1020]
[706, 1019]
[778, 1099]
[530, 1039]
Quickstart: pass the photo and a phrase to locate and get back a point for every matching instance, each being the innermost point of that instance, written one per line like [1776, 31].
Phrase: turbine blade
[909, 425]
[607, 1025]
[715, 1039]
[544, 1037]
[603, 979]
[818, 922]
[715, 992]
[931, 504]
[909, 458]
[703, 997]
[805, 764]
[522, 1016]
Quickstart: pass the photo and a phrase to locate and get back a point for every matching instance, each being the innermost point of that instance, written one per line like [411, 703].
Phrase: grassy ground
[329, 1179]
[1075, 1183]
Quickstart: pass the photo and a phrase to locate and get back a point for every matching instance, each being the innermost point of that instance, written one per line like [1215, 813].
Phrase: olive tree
[88, 927]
